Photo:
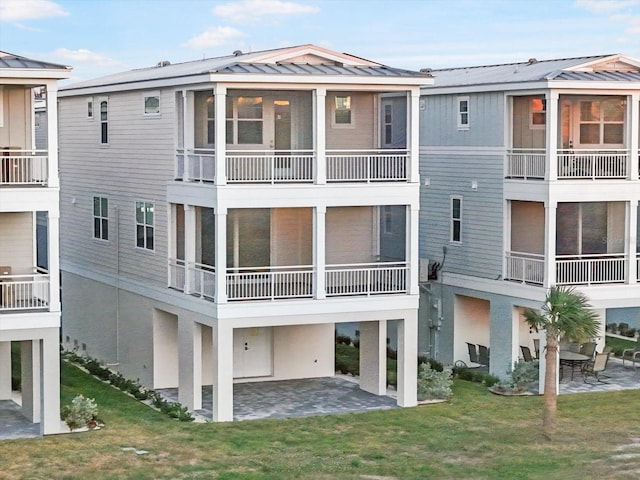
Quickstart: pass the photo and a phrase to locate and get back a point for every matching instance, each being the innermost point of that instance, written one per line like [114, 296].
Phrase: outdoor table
[572, 359]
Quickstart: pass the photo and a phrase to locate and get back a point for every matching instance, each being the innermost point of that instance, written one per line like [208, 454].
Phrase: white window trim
[352, 123]
[145, 95]
[461, 125]
[1, 106]
[100, 100]
[93, 109]
[135, 226]
[536, 126]
[93, 217]
[453, 220]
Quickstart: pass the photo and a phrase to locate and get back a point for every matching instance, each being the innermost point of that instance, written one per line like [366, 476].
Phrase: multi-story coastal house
[29, 218]
[221, 216]
[530, 175]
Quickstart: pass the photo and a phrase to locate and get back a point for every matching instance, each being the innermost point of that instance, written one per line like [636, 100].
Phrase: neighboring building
[29, 213]
[530, 175]
[221, 216]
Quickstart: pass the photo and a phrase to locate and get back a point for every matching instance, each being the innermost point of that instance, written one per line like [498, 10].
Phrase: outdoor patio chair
[526, 353]
[588, 349]
[473, 353]
[483, 355]
[596, 367]
[631, 355]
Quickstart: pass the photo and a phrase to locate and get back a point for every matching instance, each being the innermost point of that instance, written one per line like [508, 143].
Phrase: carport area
[293, 398]
[13, 424]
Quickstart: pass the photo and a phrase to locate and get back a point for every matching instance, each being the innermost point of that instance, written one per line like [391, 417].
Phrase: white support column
[222, 372]
[52, 133]
[412, 247]
[50, 382]
[373, 357]
[53, 245]
[220, 107]
[30, 372]
[190, 360]
[189, 245]
[220, 219]
[5, 370]
[631, 241]
[320, 134]
[319, 250]
[408, 360]
[188, 109]
[634, 133]
[601, 315]
[413, 133]
[552, 136]
[550, 244]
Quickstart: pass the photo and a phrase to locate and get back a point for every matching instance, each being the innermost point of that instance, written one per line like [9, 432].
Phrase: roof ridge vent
[163, 63]
[532, 60]
[237, 53]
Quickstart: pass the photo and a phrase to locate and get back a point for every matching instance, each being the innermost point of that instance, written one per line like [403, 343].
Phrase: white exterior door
[252, 352]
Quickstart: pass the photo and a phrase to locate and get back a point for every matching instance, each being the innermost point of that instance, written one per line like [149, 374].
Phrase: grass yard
[475, 436]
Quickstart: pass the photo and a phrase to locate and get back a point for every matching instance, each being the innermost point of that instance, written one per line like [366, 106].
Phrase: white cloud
[16, 10]
[214, 37]
[83, 55]
[605, 6]
[246, 11]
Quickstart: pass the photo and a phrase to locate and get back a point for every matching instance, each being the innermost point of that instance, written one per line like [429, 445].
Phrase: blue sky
[99, 37]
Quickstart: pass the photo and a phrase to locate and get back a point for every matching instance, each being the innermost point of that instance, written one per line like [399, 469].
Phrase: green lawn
[475, 436]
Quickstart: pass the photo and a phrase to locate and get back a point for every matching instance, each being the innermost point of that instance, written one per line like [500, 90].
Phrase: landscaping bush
[612, 327]
[631, 332]
[523, 374]
[81, 412]
[343, 339]
[433, 384]
[475, 375]
[622, 328]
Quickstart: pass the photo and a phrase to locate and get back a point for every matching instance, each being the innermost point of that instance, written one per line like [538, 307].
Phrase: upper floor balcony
[575, 137]
[279, 137]
[23, 168]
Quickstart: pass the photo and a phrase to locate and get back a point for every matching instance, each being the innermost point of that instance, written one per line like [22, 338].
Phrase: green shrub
[523, 374]
[81, 412]
[475, 375]
[433, 384]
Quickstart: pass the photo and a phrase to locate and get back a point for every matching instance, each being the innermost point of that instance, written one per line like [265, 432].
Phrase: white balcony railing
[367, 165]
[525, 267]
[590, 269]
[202, 280]
[269, 283]
[366, 278]
[593, 164]
[269, 166]
[24, 167]
[177, 274]
[526, 163]
[197, 165]
[25, 292]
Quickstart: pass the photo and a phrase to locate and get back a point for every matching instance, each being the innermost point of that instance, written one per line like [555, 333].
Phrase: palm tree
[565, 312]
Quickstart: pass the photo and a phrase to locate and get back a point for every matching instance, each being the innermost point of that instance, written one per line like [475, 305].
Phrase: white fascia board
[25, 325]
[186, 81]
[253, 79]
[30, 200]
[497, 287]
[561, 86]
[33, 73]
[612, 296]
[287, 53]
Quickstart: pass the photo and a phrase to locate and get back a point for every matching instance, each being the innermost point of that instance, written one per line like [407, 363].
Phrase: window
[104, 124]
[463, 113]
[538, 113]
[456, 219]
[152, 104]
[342, 111]
[388, 122]
[90, 109]
[144, 225]
[244, 120]
[38, 119]
[101, 218]
[211, 120]
[602, 122]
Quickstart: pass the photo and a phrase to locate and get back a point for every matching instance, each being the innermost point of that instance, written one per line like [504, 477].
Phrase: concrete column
[30, 369]
[220, 219]
[412, 248]
[189, 246]
[50, 382]
[413, 133]
[319, 250]
[550, 244]
[5, 370]
[501, 337]
[320, 134]
[373, 357]
[551, 132]
[631, 241]
[188, 100]
[634, 133]
[222, 372]
[602, 322]
[408, 360]
[220, 104]
[52, 132]
[190, 360]
[53, 245]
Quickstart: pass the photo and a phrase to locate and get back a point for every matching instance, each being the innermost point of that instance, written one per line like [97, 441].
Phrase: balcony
[294, 166]
[21, 168]
[24, 292]
[290, 282]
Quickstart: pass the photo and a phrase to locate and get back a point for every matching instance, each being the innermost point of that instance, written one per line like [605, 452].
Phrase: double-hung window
[463, 113]
[538, 113]
[342, 111]
[144, 225]
[456, 219]
[104, 122]
[100, 218]
[244, 120]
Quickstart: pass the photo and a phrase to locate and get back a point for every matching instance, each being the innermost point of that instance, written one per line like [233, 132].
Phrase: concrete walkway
[620, 378]
[13, 424]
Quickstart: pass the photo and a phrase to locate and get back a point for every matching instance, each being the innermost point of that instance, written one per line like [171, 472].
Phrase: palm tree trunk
[550, 398]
